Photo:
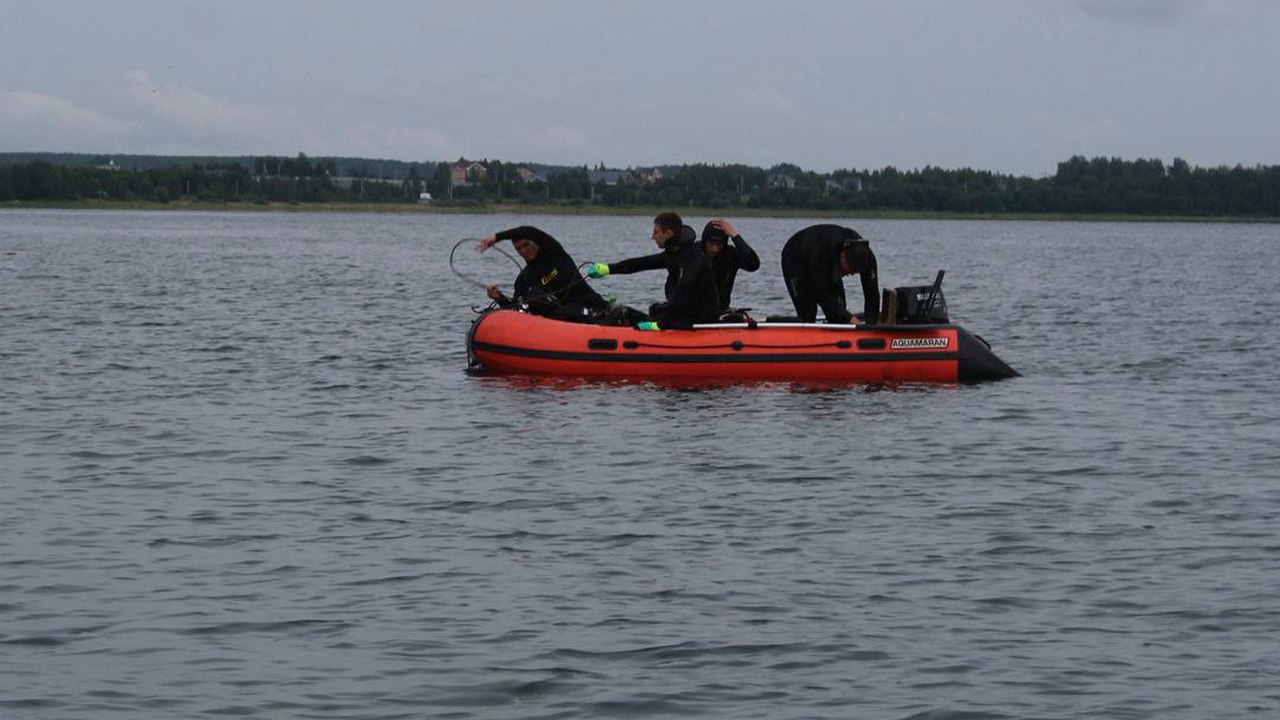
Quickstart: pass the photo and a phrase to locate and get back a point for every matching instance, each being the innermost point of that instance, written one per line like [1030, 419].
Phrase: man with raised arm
[550, 283]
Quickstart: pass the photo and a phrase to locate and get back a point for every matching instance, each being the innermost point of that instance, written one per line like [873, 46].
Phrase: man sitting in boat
[814, 263]
[550, 283]
[691, 295]
[727, 259]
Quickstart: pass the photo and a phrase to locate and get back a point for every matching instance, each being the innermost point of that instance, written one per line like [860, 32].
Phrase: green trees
[1080, 185]
[1148, 187]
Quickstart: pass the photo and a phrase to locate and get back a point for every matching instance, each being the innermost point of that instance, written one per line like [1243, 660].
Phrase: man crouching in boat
[814, 263]
[690, 289]
[550, 283]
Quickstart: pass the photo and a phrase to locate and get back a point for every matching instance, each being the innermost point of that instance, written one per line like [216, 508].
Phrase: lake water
[243, 472]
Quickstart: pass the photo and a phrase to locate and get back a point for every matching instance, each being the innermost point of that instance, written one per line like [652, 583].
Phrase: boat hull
[511, 342]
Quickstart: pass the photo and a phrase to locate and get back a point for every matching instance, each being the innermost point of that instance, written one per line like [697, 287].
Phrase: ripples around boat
[245, 473]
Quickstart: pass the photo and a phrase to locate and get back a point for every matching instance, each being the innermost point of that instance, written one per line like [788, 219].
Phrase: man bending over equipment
[814, 263]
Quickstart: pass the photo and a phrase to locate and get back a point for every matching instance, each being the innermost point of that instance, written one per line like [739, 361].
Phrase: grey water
[243, 472]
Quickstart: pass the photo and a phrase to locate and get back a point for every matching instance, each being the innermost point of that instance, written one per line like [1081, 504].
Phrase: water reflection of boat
[513, 342]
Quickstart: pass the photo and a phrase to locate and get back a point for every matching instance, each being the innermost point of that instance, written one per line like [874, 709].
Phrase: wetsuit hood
[856, 251]
[712, 232]
[677, 243]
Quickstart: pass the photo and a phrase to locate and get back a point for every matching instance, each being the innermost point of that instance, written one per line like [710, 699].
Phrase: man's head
[527, 248]
[713, 239]
[666, 226]
[846, 259]
[848, 252]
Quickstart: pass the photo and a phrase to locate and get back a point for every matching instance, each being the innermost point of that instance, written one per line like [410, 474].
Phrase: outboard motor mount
[922, 304]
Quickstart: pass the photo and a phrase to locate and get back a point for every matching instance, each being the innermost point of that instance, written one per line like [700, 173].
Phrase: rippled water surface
[244, 473]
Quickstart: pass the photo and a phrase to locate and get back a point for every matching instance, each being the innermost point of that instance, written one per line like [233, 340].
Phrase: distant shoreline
[603, 211]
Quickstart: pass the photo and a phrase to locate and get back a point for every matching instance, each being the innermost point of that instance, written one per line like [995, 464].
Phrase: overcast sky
[1005, 85]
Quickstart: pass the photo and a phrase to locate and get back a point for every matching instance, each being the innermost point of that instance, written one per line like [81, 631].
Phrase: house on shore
[466, 172]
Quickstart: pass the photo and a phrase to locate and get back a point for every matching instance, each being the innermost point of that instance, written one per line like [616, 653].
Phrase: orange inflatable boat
[511, 341]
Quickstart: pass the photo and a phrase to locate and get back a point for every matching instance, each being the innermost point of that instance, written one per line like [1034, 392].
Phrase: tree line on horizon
[1079, 186]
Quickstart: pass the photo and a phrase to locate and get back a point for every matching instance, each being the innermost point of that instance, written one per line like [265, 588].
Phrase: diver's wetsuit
[690, 288]
[551, 285]
[725, 266]
[811, 268]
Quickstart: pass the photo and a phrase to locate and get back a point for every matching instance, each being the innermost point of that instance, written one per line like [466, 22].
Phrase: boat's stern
[977, 362]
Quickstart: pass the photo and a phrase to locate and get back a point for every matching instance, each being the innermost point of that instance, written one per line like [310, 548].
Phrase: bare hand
[726, 226]
[493, 292]
[486, 243]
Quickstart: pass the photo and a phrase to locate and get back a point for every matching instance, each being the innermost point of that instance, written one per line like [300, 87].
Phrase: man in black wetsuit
[690, 288]
[550, 283]
[727, 260]
[815, 260]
